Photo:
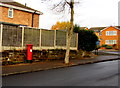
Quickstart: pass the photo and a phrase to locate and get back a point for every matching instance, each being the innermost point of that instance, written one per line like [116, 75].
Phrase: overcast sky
[89, 13]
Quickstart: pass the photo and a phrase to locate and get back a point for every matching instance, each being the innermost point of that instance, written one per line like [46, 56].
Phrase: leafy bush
[108, 47]
[104, 45]
[86, 39]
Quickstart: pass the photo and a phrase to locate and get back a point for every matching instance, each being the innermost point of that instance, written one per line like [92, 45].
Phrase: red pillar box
[29, 52]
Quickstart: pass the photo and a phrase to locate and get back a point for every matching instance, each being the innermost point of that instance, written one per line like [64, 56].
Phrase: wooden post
[40, 42]
[1, 31]
[55, 39]
[23, 30]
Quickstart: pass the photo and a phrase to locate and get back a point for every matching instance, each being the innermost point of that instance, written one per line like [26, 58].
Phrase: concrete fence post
[55, 39]
[23, 32]
[40, 42]
[77, 40]
[1, 32]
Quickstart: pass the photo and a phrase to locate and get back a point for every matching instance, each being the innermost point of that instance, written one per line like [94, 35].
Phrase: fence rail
[13, 37]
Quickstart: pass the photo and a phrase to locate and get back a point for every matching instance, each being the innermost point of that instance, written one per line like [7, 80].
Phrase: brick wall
[105, 37]
[36, 20]
[119, 39]
[20, 17]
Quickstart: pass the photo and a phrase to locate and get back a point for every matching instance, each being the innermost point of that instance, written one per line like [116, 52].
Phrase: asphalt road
[98, 74]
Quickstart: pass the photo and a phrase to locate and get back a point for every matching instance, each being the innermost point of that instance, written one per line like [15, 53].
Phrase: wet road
[98, 74]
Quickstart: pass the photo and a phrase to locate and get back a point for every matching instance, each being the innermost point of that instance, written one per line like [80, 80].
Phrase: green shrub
[86, 39]
[108, 47]
[104, 45]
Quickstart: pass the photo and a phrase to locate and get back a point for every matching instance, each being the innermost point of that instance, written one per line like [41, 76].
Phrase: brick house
[13, 12]
[108, 35]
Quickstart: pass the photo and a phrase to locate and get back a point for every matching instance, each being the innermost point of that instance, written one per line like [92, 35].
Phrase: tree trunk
[70, 32]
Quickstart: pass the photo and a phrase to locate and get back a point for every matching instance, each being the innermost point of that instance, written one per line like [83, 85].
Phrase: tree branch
[67, 2]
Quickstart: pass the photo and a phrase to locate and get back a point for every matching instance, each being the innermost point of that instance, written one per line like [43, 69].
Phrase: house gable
[19, 6]
[110, 28]
[23, 15]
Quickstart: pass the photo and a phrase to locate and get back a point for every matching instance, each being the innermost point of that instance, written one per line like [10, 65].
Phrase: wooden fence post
[1, 31]
[23, 30]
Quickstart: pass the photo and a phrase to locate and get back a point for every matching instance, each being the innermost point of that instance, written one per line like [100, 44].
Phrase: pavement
[46, 65]
[110, 52]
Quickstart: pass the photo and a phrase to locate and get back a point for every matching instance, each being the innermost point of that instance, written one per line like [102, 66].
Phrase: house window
[111, 33]
[10, 13]
[110, 42]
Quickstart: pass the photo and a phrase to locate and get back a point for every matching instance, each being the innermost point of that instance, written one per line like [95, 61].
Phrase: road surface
[98, 74]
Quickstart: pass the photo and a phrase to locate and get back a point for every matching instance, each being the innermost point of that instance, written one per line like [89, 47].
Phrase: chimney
[25, 4]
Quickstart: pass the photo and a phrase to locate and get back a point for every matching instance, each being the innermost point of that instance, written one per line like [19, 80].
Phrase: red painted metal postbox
[29, 52]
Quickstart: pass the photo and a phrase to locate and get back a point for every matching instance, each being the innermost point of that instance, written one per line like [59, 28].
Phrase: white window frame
[111, 33]
[110, 41]
[10, 12]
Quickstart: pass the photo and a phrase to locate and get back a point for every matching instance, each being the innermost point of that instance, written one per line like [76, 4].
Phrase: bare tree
[61, 7]
[70, 31]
